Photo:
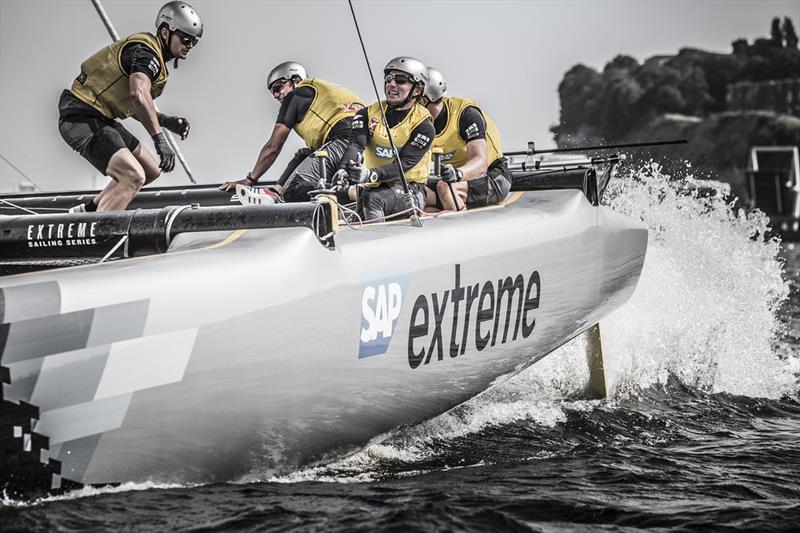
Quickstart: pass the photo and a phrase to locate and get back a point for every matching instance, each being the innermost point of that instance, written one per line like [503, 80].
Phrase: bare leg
[128, 175]
[148, 162]
[449, 203]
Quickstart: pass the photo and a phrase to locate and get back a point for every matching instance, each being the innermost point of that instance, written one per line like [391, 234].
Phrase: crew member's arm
[472, 129]
[143, 67]
[266, 157]
[142, 103]
[411, 153]
[359, 136]
[288, 116]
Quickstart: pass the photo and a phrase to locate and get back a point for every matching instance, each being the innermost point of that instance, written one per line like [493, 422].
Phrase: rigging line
[406, 192]
[15, 206]
[12, 165]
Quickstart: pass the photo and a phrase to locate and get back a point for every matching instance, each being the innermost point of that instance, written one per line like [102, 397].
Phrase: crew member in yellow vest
[474, 171]
[120, 81]
[321, 113]
[411, 128]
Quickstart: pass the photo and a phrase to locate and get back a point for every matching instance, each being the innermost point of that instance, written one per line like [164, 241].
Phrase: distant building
[780, 96]
[774, 179]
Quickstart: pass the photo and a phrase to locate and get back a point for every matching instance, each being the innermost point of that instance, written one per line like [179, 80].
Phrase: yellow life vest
[104, 85]
[378, 152]
[449, 140]
[331, 104]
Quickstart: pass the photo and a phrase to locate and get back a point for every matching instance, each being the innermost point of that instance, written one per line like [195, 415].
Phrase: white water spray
[704, 311]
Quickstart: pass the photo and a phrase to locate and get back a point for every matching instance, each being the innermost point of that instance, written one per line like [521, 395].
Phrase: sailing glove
[165, 152]
[357, 173]
[449, 173]
[177, 125]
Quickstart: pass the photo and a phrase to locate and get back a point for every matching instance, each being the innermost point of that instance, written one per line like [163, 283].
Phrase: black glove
[165, 152]
[340, 177]
[358, 173]
[449, 173]
[177, 125]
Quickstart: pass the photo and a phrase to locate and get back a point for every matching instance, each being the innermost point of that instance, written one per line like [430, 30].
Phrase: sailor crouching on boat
[321, 113]
[119, 81]
[474, 171]
[412, 132]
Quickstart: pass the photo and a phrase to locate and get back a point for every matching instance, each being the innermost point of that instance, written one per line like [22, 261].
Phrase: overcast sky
[508, 56]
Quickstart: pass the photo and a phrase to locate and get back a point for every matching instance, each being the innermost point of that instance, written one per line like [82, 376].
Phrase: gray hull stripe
[38, 337]
[58, 374]
[81, 420]
[23, 302]
[49, 335]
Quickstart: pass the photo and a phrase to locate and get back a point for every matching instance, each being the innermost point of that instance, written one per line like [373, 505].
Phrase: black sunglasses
[186, 39]
[277, 85]
[399, 79]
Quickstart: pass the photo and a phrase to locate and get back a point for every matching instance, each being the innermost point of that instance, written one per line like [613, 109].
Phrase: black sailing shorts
[491, 188]
[89, 133]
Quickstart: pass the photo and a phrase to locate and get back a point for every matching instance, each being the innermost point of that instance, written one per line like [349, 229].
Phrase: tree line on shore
[626, 96]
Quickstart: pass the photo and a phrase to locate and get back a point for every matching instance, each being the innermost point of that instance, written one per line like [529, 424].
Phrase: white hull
[243, 350]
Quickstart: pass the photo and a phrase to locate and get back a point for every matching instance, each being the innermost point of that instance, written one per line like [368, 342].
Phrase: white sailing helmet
[410, 65]
[180, 16]
[435, 85]
[286, 70]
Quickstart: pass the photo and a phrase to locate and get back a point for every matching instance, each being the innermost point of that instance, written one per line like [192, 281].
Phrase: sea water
[700, 430]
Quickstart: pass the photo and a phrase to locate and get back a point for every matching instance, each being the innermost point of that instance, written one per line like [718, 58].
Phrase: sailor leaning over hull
[119, 81]
[474, 173]
[411, 128]
[321, 113]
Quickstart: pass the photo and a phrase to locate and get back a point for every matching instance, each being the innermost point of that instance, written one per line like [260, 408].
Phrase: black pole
[438, 153]
[598, 147]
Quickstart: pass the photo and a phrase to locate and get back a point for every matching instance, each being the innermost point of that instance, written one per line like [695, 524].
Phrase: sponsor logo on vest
[63, 234]
[352, 107]
[372, 125]
[381, 303]
[420, 140]
[484, 314]
[384, 152]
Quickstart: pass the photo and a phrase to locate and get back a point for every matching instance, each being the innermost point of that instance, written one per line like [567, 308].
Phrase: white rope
[15, 206]
[114, 249]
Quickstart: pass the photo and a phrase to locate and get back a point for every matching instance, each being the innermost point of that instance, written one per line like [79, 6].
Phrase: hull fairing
[261, 349]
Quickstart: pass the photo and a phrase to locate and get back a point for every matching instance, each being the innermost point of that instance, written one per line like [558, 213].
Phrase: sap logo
[384, 152]
[381, 303]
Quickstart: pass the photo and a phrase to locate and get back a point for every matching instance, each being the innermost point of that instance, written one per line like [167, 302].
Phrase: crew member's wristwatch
[250, 178]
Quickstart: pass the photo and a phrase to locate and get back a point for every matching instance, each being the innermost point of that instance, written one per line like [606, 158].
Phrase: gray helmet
[180, 16]
[286, 70]
[412, 66]
[435, 85]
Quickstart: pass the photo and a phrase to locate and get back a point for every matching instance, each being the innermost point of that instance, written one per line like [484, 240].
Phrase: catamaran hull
[255, 351]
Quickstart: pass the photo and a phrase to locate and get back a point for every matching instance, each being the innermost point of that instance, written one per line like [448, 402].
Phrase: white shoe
[249, 196]
[80, 208]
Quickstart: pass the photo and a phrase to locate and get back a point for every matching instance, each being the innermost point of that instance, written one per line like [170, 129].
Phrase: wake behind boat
[228, 338]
